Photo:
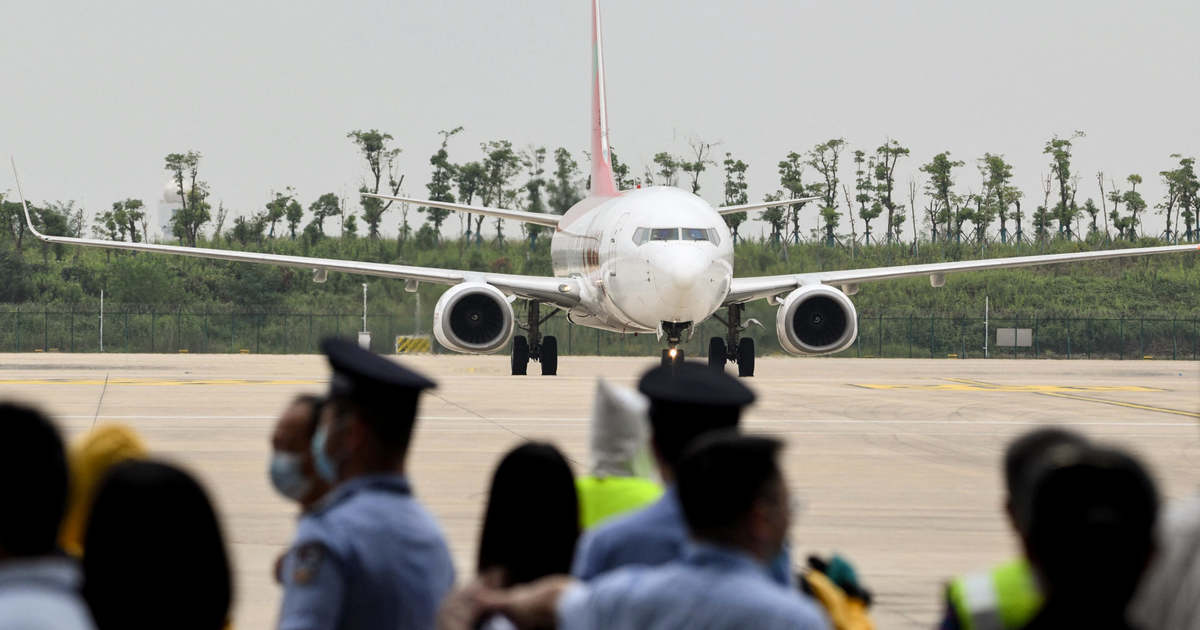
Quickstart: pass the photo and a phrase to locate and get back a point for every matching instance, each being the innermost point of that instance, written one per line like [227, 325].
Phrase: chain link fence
[29, 328]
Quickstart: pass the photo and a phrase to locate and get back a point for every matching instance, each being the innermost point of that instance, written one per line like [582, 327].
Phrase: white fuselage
[646, 257]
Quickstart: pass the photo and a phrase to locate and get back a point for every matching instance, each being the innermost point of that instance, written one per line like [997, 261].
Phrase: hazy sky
[97, 93]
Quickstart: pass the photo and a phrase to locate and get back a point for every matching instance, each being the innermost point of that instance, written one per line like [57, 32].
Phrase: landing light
[673, 352]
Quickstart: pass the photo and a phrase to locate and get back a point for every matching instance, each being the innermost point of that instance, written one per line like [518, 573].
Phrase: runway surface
[896, 461]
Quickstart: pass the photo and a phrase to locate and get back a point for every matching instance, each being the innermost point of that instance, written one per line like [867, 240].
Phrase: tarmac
[897, 462]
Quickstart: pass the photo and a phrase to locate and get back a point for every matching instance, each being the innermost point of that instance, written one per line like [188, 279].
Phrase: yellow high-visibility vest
[604, 497]
[1007, 597]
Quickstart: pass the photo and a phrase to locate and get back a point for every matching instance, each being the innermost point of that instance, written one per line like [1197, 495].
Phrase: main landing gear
[733, 347]
[541, 349]
[673, 331]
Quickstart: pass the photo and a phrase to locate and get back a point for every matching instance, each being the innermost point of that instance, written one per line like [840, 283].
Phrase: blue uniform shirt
[651, 536]
[709, 588]
[368, 556]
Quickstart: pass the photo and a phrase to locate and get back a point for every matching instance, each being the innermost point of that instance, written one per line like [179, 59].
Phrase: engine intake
[816, 319]
[473, 317]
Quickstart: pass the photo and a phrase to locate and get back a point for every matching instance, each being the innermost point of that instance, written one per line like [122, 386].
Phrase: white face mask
[287, 475]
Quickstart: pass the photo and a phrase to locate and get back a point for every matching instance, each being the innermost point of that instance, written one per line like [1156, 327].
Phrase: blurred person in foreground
[368, 555]
[1169, 595]
[532, 519]
[292, 472]
[39, 585]
[737, 508]
[154, 555]
[90, 458]
[686, 401]
[1090, 536]
[622, 473]
[291, 469]
[1007, 596]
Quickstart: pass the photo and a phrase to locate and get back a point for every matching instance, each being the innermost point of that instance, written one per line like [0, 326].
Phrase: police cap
[384, 389]
[688, 400]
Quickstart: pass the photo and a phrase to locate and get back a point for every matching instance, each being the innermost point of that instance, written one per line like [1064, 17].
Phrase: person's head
[620, 434]
[1022, 459]
[90, 459]
[366, 425]
[532, 519]
[33, 483]
[687, 401]
[733, 493]
[154, 555]
[1090, 537]
[291, 470]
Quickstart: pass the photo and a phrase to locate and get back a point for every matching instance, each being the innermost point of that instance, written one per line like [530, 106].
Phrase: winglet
[21, 194]
[603, 183]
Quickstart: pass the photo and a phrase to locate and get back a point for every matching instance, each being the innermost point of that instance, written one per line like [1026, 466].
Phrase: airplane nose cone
[685, 271]
[683, 282]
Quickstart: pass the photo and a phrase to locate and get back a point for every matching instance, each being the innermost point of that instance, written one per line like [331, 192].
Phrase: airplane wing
[562, 292]
[537, 218]
[763, 205]
[747, 289]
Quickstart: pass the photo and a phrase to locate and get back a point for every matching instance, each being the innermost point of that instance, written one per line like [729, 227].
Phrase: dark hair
[532, 519]
[1023, 459]
[1091, 534]
[154, 555]
[674, 426]
[33, 482]
[721, 477]
[314, 416]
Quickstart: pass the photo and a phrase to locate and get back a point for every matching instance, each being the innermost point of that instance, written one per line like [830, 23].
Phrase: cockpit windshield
[644, 235]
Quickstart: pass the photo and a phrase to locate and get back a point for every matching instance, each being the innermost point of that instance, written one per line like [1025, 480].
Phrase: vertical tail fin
[603, 184]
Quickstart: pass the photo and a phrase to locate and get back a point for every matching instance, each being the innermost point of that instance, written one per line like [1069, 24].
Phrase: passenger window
[664, 234]
[695, 234]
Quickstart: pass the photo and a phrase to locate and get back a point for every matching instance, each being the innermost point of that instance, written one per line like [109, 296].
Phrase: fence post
[257, 328]
[597, 341]
[178, 328]
[1141, 336]
[1091, 338]
[880, 334]
[1068, 323]
[931, 335]
[153, 323]
[858, 340]
[1121, 327]
[46, 330]
[17, 329]
[1174, 341]
[1037, 346]
[205, 332]
[126, 326]
[309, 346]
[72, 328]
[233, 332]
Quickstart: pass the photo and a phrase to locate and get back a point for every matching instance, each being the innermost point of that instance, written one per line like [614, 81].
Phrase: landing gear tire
[745, 358]
[717, 354]
[549, 355]
[668, 360]
[520, 356]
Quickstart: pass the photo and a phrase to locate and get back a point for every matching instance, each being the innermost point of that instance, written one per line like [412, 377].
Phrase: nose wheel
[535, 347]
[733, 347]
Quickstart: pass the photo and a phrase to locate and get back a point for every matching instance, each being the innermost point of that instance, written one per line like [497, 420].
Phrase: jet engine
[816, 319]
[475, 318]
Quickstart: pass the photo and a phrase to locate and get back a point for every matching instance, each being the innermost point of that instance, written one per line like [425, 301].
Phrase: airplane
[650, 260]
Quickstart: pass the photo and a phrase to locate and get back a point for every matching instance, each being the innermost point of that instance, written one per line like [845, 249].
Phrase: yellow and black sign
[414, 344]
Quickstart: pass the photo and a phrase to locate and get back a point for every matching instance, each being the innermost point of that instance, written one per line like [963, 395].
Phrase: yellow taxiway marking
[162, 381]
[1058, 391]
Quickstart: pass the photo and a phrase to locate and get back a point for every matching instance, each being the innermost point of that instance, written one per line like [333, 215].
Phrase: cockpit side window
[714, 236]
[641, 235]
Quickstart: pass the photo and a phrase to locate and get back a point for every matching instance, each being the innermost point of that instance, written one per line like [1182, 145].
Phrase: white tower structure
[168, 205]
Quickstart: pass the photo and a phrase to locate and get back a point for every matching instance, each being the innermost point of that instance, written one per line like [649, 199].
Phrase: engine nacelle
[475, 318]
[816, 319]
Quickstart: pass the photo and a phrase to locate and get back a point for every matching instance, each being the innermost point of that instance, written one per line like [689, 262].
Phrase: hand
[530, 605]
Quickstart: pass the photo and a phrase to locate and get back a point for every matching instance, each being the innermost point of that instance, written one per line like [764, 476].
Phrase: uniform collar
[701, 554]
[51, 570]
[388, 482]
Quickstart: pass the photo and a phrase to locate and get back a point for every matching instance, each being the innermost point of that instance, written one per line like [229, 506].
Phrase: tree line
[948, 205]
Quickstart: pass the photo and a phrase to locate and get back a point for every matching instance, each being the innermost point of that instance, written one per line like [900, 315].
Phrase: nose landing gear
[733, 347]
[673, 331]
[536, 347]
